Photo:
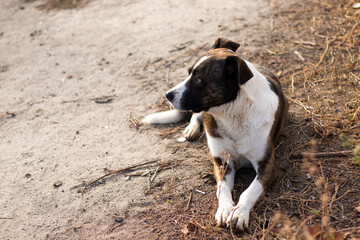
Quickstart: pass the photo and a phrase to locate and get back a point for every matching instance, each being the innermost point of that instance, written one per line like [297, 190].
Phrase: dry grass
[326, 85]
[314, 47]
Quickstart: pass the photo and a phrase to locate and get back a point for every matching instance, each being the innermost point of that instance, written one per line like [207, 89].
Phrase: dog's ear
[236, 68]
[225, 43]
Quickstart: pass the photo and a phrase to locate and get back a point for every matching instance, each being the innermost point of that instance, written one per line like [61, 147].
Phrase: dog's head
[214, 79]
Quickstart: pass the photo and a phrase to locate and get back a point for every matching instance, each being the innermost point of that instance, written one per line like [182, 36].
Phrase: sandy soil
[53, 134]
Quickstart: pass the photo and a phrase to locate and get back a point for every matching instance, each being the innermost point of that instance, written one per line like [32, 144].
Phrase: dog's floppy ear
[226, 43]
[236, 68]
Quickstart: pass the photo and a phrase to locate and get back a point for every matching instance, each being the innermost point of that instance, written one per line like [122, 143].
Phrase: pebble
[119, 219]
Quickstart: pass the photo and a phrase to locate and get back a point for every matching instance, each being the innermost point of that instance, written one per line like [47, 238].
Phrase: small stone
[119, 219]
[57, 184]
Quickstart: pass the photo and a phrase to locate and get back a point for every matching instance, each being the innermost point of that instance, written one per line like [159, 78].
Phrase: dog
[243, 110]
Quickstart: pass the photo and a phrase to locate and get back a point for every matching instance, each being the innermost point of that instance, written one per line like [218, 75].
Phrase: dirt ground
[74, 83]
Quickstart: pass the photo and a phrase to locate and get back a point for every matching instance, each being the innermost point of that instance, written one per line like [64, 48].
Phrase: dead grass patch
[314, 47]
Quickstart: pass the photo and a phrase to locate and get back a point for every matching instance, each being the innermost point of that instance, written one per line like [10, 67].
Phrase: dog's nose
[170, 96]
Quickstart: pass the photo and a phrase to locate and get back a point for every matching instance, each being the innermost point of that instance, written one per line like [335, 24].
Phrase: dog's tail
[171, 116]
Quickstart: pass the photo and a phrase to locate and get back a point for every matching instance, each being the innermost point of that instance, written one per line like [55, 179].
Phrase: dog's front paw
[239, 218]
[192, 131]
[223, 213]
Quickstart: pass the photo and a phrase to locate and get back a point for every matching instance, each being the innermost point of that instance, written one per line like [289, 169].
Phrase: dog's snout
[170, 96]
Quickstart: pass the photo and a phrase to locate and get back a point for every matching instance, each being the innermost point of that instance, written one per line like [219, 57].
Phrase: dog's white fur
[244, 125]
[171, 116]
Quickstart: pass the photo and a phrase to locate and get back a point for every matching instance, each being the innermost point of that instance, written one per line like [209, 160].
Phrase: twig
[149, 183]
[114, 227]
[188, 203]
[118, 171]
[323, 55]
[299, 56]
[355, 113]
[154, 175]
[354, 76]
[305, 43]
[333, 198]
[349, 34]
[8, 115]
[300, 104]
[103, 99]
[134, 120]
[321, 154]
[4, 218]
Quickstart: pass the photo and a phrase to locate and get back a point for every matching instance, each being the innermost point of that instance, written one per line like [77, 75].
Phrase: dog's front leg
[224, 173]
[224, 168]
[239, 217]
[192, 131]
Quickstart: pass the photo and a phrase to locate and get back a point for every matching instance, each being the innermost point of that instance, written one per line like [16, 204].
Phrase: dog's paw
[192, 131]
[239, 218]
[222, 213]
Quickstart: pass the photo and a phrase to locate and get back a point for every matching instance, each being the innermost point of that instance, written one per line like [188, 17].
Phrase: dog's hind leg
[192, 131]
[171, 116]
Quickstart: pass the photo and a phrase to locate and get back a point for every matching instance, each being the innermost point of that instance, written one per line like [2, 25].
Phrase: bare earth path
[52, 67]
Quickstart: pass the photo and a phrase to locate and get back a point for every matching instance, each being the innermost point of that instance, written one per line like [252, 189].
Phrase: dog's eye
[198, 80]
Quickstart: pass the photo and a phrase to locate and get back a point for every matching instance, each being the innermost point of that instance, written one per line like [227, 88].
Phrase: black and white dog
[243, 110]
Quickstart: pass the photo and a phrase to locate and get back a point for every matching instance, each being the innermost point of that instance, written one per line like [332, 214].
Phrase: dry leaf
[358, 208]
[316, 233]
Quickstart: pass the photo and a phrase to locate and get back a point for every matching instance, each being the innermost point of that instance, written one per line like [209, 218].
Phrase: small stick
[118, 171]
[323, 55]
[354, 76]
[8, 114]
[300, 104]
[305, 43]
[149, 182]
[321, 154]
[153, 177]
[355, 113]
[350, 33]
[114, 227]
[299, 56]
[188, 203]
[333, 198]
